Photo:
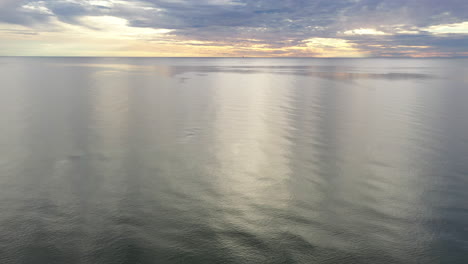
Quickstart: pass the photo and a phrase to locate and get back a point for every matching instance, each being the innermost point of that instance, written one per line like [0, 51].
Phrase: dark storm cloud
[277, 23]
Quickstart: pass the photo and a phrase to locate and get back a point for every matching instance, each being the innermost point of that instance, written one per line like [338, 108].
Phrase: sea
[233, 160]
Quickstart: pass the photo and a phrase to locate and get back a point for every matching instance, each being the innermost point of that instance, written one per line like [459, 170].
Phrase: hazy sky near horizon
[312, 28]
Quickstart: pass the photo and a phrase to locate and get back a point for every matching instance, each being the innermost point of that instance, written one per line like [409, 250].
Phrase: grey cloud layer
[274, 22]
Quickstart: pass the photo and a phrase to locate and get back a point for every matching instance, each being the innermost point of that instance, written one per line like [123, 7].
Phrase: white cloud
[457, 28]
[37, 7]
[115, 27]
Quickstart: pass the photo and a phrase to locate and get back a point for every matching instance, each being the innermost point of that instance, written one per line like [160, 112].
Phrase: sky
[234, 28]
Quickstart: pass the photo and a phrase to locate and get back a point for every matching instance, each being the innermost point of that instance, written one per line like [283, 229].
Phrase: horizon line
[229, 57]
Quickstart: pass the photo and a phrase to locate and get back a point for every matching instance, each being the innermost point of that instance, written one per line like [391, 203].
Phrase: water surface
[132, 160]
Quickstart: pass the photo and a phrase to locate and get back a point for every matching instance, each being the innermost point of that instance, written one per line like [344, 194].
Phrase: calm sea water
[127, 160]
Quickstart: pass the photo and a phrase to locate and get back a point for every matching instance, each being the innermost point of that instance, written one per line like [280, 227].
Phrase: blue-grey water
[132, 160]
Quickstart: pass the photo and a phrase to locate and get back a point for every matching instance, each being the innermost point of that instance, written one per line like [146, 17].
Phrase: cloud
[456, 28]
[365, 31]
[21, 12]
[276, 27]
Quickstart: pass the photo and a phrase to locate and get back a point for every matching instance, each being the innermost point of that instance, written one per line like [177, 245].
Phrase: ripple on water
[114, 160]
